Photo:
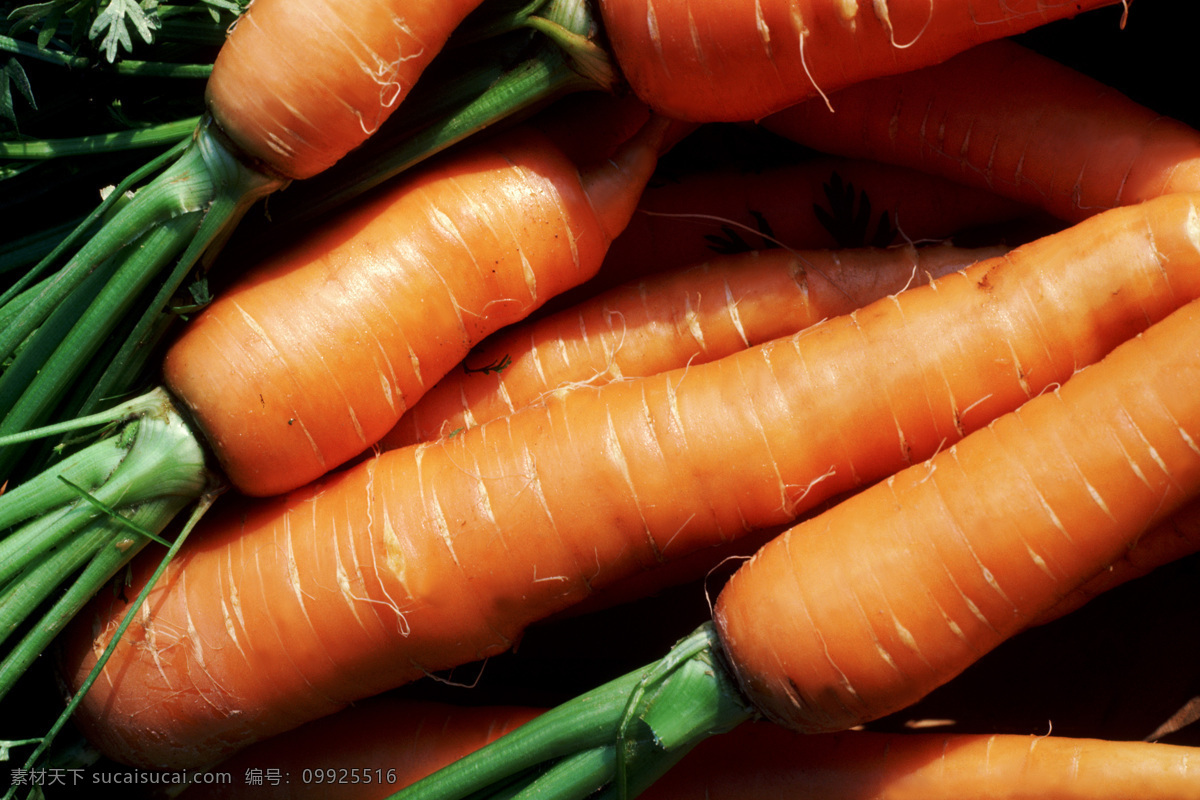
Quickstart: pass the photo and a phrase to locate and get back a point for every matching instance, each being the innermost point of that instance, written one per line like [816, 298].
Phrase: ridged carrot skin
[759, 760]
[297, 85]
[668, 321]
[755, 761]
[1005, 118]
[366, 752]
[895, 591]
[1175, 537]
[442, 553]
[314, 355]
[711, 60]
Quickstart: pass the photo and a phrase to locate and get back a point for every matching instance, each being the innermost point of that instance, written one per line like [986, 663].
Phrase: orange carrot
[298, 85]
[315, 354]
[685, 220]
[760, 760]
[1020, 124]
[1175, 537]
[713, 61]
[442, 553]
[895, 591]
[668, 321]
[401, 741]
[368, 751]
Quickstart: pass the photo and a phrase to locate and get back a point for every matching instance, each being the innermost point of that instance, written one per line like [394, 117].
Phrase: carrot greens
[616, 739]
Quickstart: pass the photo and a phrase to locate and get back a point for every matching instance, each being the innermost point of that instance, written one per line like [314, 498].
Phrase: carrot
[668, 321]
[370, 750]
[709, 61]
[688, 219]
[411, 562]
[297, 86]
[954, 555]
[454, 216]
[403, 741]
[865, 609]
[1039, 132]
[314, 356]
[1175, 537]
[759, 760]
[279, 112]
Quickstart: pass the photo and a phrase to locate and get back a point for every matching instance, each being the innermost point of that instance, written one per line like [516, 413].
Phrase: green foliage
[12, 75]
[48, 17]
[116, 27]
[112, 25]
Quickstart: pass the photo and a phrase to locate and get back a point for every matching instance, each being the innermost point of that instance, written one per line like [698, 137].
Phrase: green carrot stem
[450, 105]
[25, 546]
[87, 586]
[32, 387]
[185, 187]
[238, 189]
[162, 69]
[580, 774]
[500, 96]
[31, 50]
[112, 202]
[167, 133]
[113, 547]
[162, 472]
[41, 577]
[649, 718]
[152, 403]
[155, 456]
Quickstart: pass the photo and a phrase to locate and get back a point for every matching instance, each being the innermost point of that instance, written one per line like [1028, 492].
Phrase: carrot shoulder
[895, 591]
[714, 60]
[315, 355]
[442, 553]
[298, 85]
[1005, 118]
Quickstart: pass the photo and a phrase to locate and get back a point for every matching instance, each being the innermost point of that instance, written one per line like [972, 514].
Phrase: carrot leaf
[112, 25]
[13, 75]
[849, 216]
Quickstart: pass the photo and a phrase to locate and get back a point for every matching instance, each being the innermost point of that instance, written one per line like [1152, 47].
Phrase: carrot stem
[449, 106]
[153, 136]
[109, 205]
[135, 481]
[177, 217]
[101, 569]
[617, 738]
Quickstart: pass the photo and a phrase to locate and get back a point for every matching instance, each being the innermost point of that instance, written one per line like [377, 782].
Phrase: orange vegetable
[298, 85]
[1175, 537]
[442, 553]
[368, 751]
[896, 590]
[402, 741]
[1041, 132]
[314, 355]
[760, 760]
[711, 60]
[670, 320]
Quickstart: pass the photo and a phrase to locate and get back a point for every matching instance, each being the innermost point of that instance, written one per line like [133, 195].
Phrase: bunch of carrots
[438, 329]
